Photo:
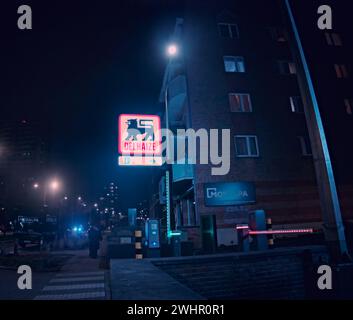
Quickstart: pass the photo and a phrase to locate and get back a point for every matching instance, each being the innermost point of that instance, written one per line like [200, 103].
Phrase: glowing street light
[54, 185]
[172, 50]
[36, 186]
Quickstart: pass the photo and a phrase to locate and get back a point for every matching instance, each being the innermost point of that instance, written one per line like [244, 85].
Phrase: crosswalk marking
[77, 279]
[80, 274]
[75, 286]
[72, 296]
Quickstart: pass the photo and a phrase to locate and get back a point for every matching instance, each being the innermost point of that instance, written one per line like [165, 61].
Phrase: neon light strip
[167, 195]
[282, 231]
[172, 234]
[242, 227]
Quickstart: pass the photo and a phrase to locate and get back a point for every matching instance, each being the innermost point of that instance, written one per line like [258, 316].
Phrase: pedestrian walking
[94, 237]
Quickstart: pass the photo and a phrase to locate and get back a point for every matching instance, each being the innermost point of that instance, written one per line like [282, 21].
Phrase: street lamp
[53, 186]
[172, 51]
[36, 186]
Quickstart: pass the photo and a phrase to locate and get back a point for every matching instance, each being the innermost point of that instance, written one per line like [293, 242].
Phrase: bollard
[246, 240]
[103, 253]
[15, 248]
[270, 239]
[138, 245]
[244, 237]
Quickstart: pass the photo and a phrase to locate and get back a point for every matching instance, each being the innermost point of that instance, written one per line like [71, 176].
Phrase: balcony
[182, 172]
[177, 101]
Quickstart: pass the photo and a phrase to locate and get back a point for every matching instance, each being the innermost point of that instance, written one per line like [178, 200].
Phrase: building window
[234, 64]
[349, 106]
[296, 104]
[278, 34]
[341, 71]
[305, 146]
[228, 30]
[240, 102]
[333, 39]
[287, 67]
[246, 146]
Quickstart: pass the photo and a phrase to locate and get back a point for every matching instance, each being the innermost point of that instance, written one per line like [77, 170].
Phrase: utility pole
[330, 206]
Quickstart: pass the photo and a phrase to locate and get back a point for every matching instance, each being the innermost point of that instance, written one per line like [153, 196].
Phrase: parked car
[28, 238]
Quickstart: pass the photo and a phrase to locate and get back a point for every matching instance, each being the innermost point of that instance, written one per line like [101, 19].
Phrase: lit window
[228, 30]
[246, 146]
[341, 71]
[240, 102]
[349, 106]
[333, 39]
[296, 104]
[234, 64]
[305, 146]
[278, 34]
[287, 67]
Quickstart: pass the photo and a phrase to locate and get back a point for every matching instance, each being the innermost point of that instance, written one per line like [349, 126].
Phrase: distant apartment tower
[108, 202]
[24, 154]
[236, 70]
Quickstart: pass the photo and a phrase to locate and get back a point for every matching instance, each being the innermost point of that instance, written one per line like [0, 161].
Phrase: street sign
[229, 193]
[140, 161]
[50, 219]
[139, 134]
[27, 219]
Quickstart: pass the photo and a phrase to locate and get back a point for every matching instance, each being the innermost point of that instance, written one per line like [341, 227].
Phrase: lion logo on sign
[140, 127]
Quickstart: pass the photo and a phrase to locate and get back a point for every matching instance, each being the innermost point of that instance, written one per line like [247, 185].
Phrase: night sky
[83, 64]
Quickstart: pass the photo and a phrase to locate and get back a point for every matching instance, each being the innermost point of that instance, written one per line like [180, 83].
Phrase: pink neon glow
[242, 227]
[282, 231]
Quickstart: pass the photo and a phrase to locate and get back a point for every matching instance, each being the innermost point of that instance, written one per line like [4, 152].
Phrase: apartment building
[236, 71]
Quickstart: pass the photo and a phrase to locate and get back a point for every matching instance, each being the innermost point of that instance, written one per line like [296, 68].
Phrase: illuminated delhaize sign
[140, 142]
[139, 134]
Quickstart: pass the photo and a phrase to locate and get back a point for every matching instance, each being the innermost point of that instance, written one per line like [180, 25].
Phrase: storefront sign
[229, 194]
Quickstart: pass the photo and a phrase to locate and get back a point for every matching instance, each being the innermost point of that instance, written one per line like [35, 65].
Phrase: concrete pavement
[79, 278]
[10, 291]
[132, 279]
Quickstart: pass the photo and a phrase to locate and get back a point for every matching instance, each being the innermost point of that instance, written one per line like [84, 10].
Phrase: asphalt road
[10, 291]
[79, 278]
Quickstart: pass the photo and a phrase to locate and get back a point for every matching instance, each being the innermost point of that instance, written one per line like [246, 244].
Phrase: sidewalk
[80, 262]
[80, 278]
[141, 280]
